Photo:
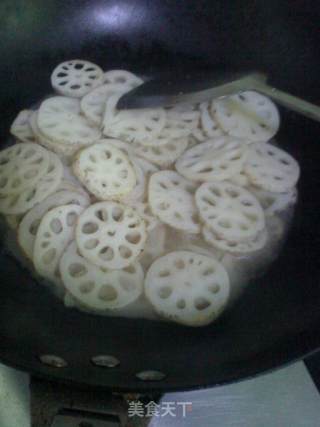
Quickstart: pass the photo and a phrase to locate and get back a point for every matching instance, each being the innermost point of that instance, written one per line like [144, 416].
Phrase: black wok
[277, 320]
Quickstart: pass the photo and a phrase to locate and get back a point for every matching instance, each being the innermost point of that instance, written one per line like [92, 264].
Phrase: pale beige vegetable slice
[76, 77]
[171, 198]
[209, 125]
[21, 166]
[248, 115]
[110, 235]
[230, 211]
[55, 232]
[105, 171]
[257, 243]
[99, 288]
[64, 151]
[216, 159]
[187, 287]
[21, 128]
[29, 225]
[271, 168]
[59, 119]
[47, 184]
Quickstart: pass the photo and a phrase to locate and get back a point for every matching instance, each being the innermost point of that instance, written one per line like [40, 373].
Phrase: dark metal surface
[195, 86]
[278, 318]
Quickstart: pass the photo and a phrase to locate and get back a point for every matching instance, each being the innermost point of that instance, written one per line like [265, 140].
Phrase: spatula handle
[291, 102]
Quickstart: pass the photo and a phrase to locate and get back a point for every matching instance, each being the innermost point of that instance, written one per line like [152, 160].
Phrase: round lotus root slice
[209, 125]
[217, 159]
[171, 198]
[110, 235]
[163, 156]
[30, 196]
[138, 193]
[21, 128]
[271, 168]
[105, 171]
[64, 151]
[99, 288]
[59, 120]
[21, 166]
[253, 245]
[274, 203]
[188, 288]
[248, 115]
[230, 211]
[55, 232]
[76, 77]
[29, 225]
[122, 77]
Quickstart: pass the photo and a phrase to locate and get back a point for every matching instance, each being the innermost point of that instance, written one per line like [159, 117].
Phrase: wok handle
[291, 102]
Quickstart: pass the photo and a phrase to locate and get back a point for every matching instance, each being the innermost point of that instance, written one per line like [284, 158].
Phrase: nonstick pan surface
[278, 318]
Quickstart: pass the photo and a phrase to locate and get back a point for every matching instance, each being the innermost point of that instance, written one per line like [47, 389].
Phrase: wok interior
[277, 318]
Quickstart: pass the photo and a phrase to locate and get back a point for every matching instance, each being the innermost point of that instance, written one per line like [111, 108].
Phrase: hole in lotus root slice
[217, 159]
[77, 269]
[106, 178]
[171, 200]
[230, 211]
[55, 231]
[99, 288]
[246, 117]
[107, 293]
[76, 78]
[122, 235]
[182, 294]
[271, 168]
